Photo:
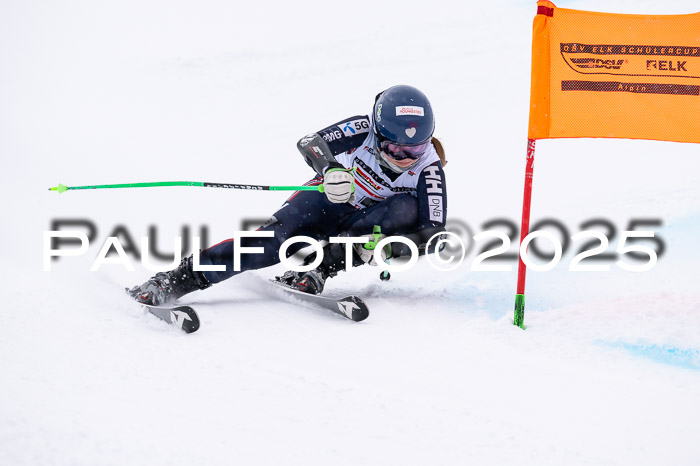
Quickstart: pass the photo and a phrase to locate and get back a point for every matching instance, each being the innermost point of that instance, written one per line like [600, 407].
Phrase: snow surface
[607, 371]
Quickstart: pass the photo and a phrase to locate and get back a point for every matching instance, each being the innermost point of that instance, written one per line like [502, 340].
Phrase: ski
[349, 306]
[182, 317]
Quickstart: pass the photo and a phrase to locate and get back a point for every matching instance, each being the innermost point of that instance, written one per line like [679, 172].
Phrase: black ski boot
[165, 287]
[313, 281]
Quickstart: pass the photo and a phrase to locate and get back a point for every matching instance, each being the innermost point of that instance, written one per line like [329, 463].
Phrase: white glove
[339, 185]
[365, 251]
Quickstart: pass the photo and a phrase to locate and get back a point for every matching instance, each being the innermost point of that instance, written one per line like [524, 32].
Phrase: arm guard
[317, 154]
[319, 149]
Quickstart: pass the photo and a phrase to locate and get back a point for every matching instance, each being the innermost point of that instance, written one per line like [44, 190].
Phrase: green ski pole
[252, 187]
[372, 244]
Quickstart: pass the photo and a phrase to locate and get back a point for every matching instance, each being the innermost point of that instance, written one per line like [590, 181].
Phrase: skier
[384, 169]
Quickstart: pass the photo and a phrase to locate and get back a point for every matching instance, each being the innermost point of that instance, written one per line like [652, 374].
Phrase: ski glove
[365, 251]
[339, 185]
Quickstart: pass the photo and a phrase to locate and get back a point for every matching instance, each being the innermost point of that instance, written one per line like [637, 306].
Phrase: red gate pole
[519, 316]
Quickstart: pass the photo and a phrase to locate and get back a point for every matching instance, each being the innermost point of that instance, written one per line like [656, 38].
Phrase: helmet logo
[379, 112]
[410, 132]
[409, 110]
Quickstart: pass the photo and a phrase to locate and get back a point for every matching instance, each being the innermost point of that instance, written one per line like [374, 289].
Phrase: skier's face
[403, 156]
[401, 163]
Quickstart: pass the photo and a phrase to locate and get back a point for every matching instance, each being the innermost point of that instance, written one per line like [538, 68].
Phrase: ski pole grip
[376, 234]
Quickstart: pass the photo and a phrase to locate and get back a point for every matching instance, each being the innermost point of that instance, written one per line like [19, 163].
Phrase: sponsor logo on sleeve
[354, 127]
[409, 110]
[435, 205]
[330, 136]
[433, 182]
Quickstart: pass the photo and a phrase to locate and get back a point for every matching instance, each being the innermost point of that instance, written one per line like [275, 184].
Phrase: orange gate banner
[602, 75]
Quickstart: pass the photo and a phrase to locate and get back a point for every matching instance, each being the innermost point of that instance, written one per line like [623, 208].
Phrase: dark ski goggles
[403, 151]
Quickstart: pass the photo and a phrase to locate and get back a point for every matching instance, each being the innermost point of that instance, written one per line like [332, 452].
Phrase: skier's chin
[403, 164]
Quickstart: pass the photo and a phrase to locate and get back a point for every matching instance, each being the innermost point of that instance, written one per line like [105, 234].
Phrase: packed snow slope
[606, 372]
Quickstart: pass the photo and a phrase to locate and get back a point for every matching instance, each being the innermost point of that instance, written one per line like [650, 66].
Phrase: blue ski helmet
[403, 125]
